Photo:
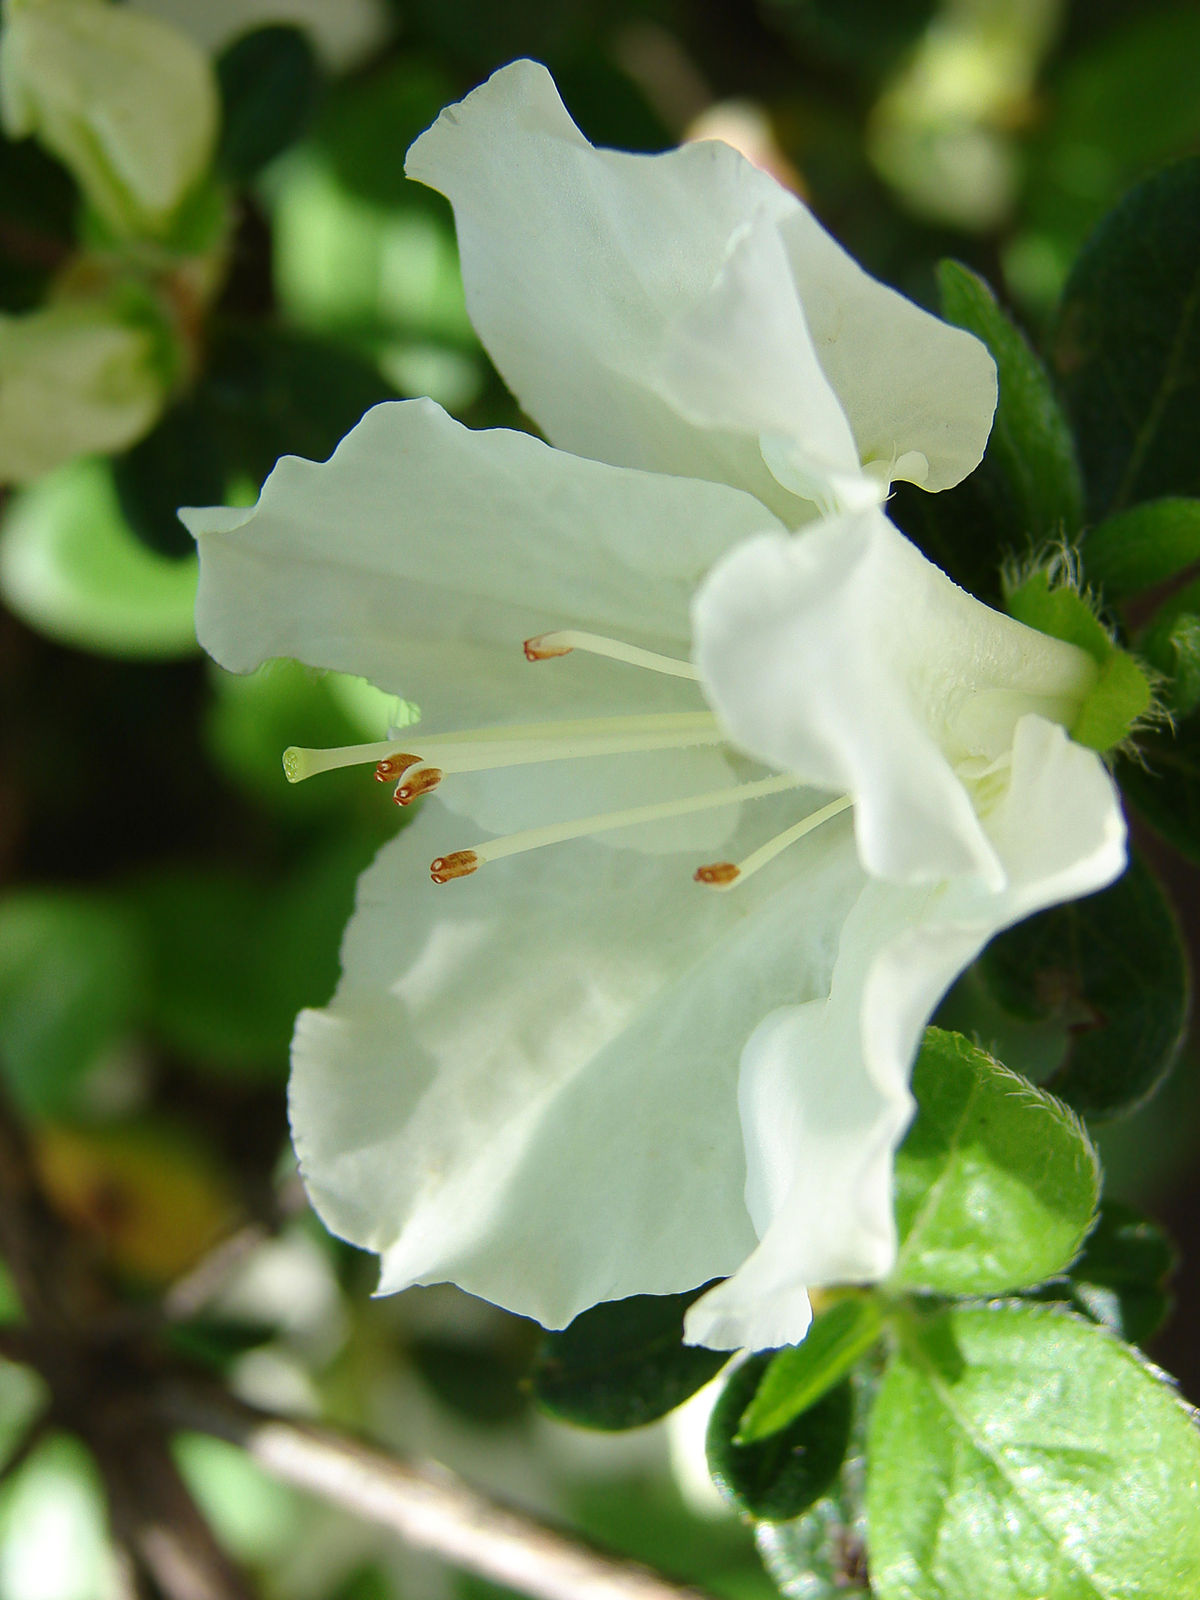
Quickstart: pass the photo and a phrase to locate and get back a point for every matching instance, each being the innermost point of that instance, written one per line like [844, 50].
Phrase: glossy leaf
[1164, 783]
[1127, 345]
[71, 979]
[1031, 452]
[1113, 970]
[1018, 1452]
[1120, 1279]
[777, 1478]
[800, 1375]
[623, 1363]
[269, 81]
[71, 568]
[1145, 545]
[996, 1181]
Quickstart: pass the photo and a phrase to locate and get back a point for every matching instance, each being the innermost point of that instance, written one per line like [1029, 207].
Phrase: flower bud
[128, 104]
[75, 378]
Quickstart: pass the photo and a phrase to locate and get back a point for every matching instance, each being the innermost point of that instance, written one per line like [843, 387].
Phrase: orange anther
[420, 783]
[719, 873]
[535, 650]
[394, 767]
[460, 864]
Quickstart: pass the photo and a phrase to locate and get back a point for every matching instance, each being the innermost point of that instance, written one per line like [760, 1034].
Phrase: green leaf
[1164, 783]
[233, 959]
[71, 980]
[178, 463]
[270, 392]
[1018, 1452]
[802, 1374]
[1127, 345]
[623, 1363]
[1031, 449]
[1120, 1279]
[996, 1183]
[1113, 969]
[71, 568]
[269, 82]
[1136, 549]
[778, 1478]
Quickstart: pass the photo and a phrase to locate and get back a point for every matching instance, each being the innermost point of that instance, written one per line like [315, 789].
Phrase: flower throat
[417, 766]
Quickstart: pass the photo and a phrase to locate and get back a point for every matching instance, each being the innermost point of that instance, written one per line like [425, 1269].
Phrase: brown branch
[422, 1502]
[168, 1545]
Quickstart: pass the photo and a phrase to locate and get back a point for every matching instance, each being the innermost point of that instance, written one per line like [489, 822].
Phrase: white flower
[579, 1074]
[76, 376]
[127, 103]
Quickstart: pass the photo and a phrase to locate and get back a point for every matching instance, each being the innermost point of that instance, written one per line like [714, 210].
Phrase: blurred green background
[169, 902]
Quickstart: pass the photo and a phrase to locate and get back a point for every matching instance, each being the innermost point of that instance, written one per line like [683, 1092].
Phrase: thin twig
[423, 1503]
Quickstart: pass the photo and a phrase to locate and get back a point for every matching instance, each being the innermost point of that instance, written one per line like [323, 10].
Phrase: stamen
[420, 783]
[459, 864]
[547, 645]
[560, 832]
[724, 874]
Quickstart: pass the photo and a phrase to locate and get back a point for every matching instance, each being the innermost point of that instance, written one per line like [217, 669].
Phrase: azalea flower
[128, 104]
[761, 784]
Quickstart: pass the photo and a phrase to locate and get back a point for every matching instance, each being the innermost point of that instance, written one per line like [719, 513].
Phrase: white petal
[846, 657]
[910, 384]
[527, 1081]
[421, 555]
[612, 289]
[577, 262]
[824, 1088]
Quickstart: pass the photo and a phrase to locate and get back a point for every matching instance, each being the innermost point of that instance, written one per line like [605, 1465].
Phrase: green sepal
[1020, 1452]
[1135, 549]
[996, 1183]
[623, 1363]
[1121, 698]
[776, 1479]
[1121, 694]
[1112, 970]
[802, 1374]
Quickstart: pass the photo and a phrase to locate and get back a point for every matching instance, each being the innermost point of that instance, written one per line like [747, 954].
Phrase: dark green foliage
[623, 1363]
[1120, 1278]
[1127, 345]
[1112, 969]
[801, 1375]
[1164, 783]
[780, 1477]
[269, 81]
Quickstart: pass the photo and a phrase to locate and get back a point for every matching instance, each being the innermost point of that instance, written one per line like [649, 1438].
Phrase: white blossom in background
[344, 32]
[578, 1073]
[126, 103]
[76, 378]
